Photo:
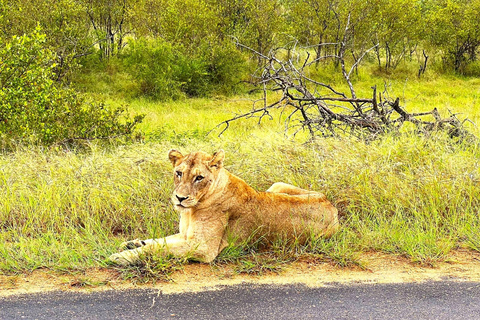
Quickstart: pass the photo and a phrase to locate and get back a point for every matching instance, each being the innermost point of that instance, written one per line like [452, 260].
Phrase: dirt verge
[381, 268]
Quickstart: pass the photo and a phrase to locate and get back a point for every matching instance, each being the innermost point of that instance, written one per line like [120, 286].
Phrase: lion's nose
[180, 199]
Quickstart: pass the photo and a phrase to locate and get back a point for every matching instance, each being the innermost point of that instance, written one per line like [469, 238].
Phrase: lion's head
[195, 176]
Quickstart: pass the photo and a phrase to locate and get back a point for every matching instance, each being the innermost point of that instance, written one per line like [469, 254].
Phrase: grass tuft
[153, 268]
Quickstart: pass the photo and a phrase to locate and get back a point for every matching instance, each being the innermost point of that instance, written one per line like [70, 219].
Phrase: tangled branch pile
[324, 111]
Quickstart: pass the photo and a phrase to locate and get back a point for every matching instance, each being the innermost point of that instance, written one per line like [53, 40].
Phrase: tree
[34, 109]
[183, 23]
[314, 23]
[258, 24]
[396, 29]
[454, 28]
[322, 24]
[63, 21]
[109, 20]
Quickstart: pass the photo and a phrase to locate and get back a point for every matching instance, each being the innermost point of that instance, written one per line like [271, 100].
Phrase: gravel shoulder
[380, 269]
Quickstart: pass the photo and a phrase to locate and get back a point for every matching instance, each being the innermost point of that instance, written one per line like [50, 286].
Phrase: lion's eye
[179, 174]
[198, 178]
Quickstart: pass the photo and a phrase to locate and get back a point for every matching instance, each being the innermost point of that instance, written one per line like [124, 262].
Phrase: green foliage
[35, 109]
[166, 72]
[195, 34]
[109, 23]
[184, 23]
[402, 28]
[258, 24]
[64, 21]
[397, 25]
[226, 68]
[150, 63]
[454, 30]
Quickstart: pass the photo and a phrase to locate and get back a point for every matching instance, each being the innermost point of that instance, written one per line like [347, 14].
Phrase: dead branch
[320, 109]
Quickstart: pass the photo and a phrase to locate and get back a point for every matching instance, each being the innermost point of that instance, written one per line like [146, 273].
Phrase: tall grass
[63, 210]
[406, 195]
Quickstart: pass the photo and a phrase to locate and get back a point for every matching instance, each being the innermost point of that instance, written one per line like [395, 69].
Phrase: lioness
[215, 205]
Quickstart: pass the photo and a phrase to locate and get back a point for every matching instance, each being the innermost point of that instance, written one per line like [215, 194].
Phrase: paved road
[432, 300]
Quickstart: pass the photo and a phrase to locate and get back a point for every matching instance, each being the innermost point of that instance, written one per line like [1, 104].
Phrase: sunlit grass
[406, 195]
[448, 93]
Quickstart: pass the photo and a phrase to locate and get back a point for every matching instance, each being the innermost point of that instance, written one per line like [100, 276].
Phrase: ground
[380, 268]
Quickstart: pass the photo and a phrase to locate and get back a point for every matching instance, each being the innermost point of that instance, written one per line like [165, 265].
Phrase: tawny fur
[215, 205]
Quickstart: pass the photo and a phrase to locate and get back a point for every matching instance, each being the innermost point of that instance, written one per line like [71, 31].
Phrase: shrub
[150, 63]
[227, 67]
[166, 72]
[472, 69]
[35, 109]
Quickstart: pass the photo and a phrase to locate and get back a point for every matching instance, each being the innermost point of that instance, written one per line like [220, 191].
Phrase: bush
[227, 68]
[165, 72]
[35, 109]
[472, 69]
[150, 63]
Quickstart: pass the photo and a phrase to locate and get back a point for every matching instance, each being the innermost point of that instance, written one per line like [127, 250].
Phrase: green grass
[407, 196]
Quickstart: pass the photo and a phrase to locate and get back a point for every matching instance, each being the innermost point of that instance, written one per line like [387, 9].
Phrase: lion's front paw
[124, 258]
[132, 244]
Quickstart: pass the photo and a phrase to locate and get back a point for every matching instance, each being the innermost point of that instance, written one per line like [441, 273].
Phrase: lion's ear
[217, 160]
[175, 156]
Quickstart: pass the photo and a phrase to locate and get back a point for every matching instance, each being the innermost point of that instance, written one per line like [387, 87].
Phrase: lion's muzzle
[182, 201]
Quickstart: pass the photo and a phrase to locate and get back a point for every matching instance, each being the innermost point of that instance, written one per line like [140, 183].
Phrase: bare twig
[309, 108]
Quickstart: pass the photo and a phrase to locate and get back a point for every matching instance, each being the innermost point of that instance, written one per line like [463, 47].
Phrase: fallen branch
[322, 110]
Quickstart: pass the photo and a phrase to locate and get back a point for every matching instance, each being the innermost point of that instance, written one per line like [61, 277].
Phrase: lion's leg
[185, 218]
[137, 243]
[280, 187]
[178, 247]
[136, 248]
[203, 245]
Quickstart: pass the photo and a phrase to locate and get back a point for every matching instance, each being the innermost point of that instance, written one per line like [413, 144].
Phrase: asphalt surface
[431, 300]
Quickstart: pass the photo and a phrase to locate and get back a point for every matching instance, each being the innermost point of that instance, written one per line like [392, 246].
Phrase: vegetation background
[94, 93]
